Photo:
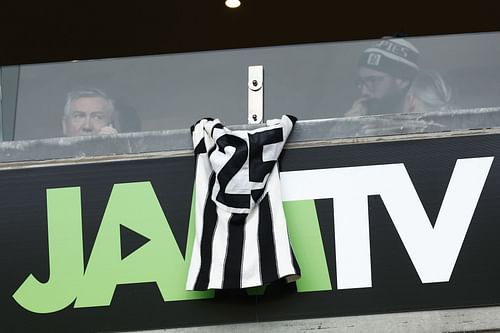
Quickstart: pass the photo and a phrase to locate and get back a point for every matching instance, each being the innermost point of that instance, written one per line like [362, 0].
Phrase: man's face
[381, 92]
[375, 84]
[87, 116]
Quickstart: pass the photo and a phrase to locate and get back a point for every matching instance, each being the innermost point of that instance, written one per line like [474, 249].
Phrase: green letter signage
[64, 222]
[133, 205]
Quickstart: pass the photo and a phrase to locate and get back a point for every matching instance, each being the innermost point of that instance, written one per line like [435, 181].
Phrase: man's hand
[358, 108]
[108, 130]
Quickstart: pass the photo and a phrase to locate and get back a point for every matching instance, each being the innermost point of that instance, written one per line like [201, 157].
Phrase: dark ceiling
[43, 31]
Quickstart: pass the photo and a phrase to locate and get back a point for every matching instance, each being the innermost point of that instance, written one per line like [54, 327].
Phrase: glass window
[1, 114]
[436, 81]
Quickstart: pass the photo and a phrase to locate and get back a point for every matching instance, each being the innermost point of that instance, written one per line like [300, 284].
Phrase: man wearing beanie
[385, 71]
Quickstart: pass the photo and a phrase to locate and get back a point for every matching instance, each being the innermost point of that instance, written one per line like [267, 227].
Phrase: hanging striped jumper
[241, 235]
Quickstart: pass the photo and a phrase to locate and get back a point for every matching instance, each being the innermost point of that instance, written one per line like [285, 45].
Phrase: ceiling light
[233, 3]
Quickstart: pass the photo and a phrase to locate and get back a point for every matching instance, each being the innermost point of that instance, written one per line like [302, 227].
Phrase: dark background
[396, 285]
[308, 79]
[45, 31]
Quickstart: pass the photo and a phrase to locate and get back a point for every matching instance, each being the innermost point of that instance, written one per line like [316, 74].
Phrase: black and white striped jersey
[241, 235]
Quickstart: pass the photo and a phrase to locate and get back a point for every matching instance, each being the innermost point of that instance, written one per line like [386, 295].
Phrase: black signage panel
[376, 228]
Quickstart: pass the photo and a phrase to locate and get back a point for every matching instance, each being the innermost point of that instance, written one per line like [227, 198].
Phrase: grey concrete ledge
[484, 319]
[352, 128]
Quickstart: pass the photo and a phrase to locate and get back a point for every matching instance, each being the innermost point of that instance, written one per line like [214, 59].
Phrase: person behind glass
[428, 93]
[88, 112]
[385, 72]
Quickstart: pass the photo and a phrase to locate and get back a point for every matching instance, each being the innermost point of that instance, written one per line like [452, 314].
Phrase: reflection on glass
[314, 81]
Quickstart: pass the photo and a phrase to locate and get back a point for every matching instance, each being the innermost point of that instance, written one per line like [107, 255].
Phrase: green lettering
[305, 236]
[136, 206]
[64, 223]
